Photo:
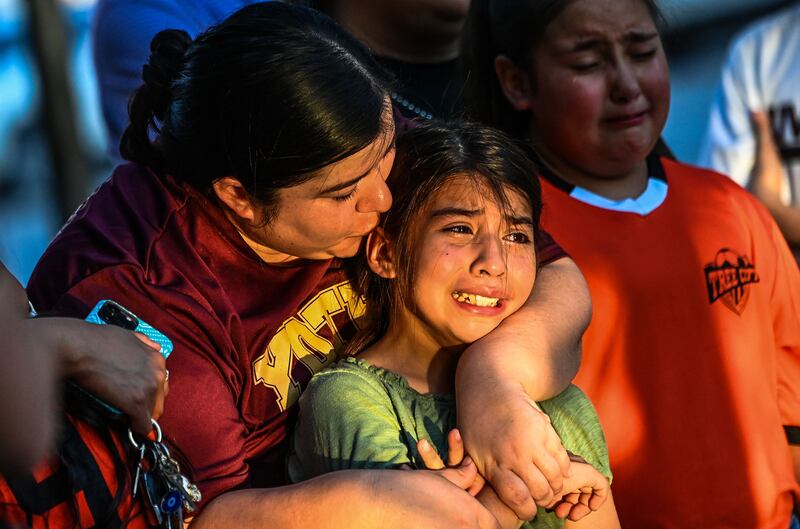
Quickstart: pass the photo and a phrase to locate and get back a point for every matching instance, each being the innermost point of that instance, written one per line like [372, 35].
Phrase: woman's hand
[515, 447]
[118, 366]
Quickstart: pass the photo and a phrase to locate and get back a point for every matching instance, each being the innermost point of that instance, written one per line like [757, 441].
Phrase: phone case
[122, 317]
[108, 312]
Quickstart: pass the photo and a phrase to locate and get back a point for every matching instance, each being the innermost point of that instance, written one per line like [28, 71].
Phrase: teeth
[475, 299]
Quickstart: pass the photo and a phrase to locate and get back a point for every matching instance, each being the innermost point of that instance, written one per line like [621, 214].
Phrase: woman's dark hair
[326, 6]
[428, 157]
[505, 27]
[270, 95]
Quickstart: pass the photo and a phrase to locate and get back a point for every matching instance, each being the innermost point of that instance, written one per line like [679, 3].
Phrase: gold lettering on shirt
[298, 340]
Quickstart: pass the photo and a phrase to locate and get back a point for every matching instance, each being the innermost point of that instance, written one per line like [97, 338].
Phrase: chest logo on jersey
[307, 342]
[729, 278]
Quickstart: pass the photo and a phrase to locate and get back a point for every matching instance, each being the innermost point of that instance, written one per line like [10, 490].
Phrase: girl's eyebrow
[456, 212]
[461, 212]
[516, 221]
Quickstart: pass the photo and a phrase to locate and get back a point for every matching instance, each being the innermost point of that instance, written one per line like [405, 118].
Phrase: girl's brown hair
[428, 157]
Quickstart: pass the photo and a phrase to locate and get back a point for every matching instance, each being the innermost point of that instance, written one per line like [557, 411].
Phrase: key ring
[157, 429]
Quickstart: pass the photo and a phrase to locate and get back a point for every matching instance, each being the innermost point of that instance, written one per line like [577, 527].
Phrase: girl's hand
[458, 466]
[587, 490]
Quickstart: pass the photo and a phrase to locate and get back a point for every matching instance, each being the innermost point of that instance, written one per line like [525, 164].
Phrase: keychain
[167, 493]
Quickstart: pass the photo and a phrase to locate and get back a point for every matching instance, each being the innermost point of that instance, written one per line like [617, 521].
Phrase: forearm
[381, 499]
[331, 501]
[27, 385]
[538, 347]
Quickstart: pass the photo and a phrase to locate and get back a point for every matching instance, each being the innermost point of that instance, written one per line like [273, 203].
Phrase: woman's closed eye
[346, 196]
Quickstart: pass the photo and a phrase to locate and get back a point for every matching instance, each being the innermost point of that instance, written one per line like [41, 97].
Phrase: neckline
[647, 202]
[395, 379]
[651, 198]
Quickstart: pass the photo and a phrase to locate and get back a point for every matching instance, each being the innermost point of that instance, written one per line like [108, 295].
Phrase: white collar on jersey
[653, 196]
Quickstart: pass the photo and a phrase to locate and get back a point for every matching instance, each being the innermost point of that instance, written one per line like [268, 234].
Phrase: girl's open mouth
[475, 299]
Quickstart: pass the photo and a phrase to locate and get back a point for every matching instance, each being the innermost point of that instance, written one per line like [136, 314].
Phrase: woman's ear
[514, 81]
[232, 193]
[380, 254]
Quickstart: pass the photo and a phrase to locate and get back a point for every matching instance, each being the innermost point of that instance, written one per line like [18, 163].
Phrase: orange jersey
[54, 497]
[693, 354]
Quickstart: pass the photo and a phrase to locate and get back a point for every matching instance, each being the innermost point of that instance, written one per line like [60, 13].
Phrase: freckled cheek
[439, 264]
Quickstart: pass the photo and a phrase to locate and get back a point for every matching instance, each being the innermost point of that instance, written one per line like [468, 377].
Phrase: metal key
[167, 492]
[138, 474]
[170, 470]
[153, 492]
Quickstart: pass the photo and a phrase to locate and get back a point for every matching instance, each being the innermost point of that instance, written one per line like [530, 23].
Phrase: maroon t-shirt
[247, 335]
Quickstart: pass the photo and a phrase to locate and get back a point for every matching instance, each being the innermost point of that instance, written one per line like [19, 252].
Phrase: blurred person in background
[754, 130]
[265, 124]
[416, 40]
[692, 358]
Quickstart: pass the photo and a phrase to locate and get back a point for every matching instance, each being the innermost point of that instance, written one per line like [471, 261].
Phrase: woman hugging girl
[452, 258]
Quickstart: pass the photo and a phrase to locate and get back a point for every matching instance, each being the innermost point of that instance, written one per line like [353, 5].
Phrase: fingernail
[467, 461]
[424, 445]
[457, 435]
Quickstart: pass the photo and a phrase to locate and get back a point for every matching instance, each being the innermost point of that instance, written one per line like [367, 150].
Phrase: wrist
[61, 335]
[336, 501]
[494, 366]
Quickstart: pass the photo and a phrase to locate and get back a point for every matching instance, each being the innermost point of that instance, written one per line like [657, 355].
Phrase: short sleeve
[575, 421]
[547, 249]
[346, 421]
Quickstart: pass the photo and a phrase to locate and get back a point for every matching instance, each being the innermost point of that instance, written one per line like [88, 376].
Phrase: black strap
[792, 434]
[89, 478]
[36, 499]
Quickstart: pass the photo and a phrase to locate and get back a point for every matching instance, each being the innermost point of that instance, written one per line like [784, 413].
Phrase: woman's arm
[122, 368]
[532, 355]
[385, 499]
